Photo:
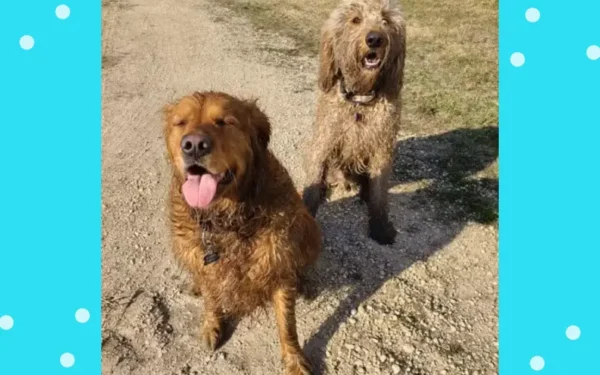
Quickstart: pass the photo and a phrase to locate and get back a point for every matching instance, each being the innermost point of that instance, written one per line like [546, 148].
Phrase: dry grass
[451, 73]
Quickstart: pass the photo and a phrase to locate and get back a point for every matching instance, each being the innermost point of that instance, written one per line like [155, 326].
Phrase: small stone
[409, 349]
[349, 346]
[382, 358]
[222, 356]
[395, 369]
[353, 312]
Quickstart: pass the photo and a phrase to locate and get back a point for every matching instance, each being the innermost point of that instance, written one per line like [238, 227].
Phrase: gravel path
[426, 305]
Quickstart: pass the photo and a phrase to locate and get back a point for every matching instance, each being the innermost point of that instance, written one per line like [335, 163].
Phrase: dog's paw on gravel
[383, 233]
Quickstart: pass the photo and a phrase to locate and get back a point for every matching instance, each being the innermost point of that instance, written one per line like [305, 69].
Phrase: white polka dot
[6, 322]
[593, 52]
[532, 15]
[573, 332]
[517, 59]
[63, 12]
[26, 42]
[67, 360]
[537, 363]
[82, 315]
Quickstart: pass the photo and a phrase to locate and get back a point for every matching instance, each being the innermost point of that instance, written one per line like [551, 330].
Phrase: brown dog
[358, 109]
[238, 224]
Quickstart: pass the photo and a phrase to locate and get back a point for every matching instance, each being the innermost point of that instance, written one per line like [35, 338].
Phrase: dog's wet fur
[356, 141]
[256, 222]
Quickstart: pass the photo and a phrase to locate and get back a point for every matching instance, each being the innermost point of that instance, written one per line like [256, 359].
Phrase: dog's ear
[167, 114]
[167, 109]
[199, 97]
[395, 77]
[327, 69]
[260, 123]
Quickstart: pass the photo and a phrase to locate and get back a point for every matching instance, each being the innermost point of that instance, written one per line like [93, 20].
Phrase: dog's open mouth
[372, 60]
[200, 187]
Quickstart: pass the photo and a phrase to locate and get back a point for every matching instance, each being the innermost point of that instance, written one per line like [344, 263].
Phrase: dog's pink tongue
[199, 191]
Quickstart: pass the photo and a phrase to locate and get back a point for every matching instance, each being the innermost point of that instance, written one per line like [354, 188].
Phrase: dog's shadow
[440, 195]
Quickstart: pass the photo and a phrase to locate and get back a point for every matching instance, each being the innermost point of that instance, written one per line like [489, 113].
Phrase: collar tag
[211, 257]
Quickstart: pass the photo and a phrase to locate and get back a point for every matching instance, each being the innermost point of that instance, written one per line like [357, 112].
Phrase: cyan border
[50, 209]
[50, 163]
[549, 134]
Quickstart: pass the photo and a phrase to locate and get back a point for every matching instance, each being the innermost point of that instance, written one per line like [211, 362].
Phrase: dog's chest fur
[247, 271]
[256, 256]
[358, 134]
[241, 279]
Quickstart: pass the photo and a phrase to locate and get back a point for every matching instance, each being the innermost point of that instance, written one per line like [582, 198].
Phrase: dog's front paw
[297, 364]
[211, 333]
[306, 289]
[382, 231]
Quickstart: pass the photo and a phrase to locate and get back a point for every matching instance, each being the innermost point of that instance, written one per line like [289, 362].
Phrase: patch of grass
[451, 85]
[463, 186]
[296, 19]
[464, 200]
[451, 68]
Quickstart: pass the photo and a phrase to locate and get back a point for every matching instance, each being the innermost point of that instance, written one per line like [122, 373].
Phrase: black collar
[356, 98]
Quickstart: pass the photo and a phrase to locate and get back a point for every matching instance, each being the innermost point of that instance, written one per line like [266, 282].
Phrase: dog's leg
[363, 183]
[284, 301]
[315, 187]
[212, 324]
[380, 227]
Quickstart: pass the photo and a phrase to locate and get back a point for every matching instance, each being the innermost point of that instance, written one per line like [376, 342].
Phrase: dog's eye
[179, 122]
[385, 22]
[220, 122]
[356, 20]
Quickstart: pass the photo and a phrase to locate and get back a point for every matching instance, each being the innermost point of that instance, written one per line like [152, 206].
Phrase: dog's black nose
[196, 145]
[374, 39]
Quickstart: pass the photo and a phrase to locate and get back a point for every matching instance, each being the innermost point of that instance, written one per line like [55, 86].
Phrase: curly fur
[352, 140]
[265, 236]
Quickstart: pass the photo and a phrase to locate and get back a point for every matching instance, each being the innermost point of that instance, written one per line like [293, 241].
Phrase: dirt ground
[424, 306]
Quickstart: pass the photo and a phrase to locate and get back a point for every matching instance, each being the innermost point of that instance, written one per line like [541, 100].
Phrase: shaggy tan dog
[238, 224]
[358, 110]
